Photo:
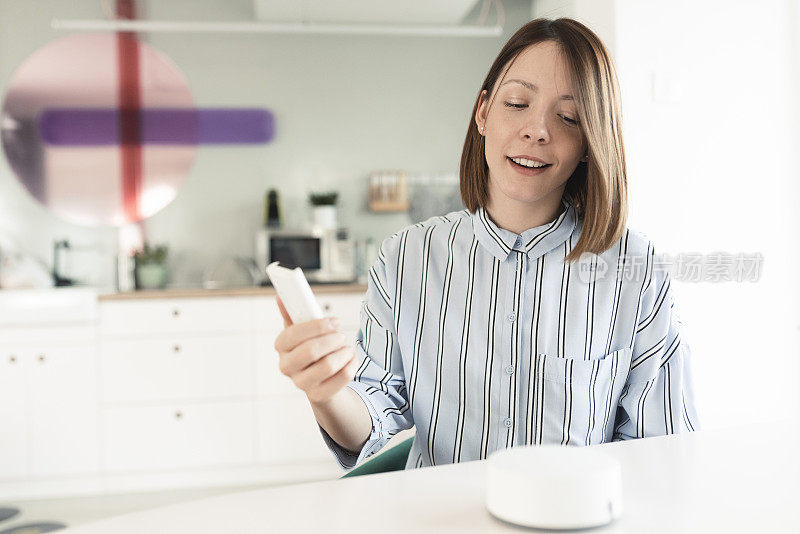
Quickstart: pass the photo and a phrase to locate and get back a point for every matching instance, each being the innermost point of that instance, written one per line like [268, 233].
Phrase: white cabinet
[13, 428]
[48, 409]
[178, 366]
[178, 435]
[63, 410]
[156, 393]
[288, 430]
[178, 383]
[152, 317]
[270, 381]
[189, 383]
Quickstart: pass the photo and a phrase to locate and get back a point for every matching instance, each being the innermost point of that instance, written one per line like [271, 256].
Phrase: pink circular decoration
[113, 79]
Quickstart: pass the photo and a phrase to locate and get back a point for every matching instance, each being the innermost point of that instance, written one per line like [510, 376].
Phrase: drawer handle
[176, 348]
[176, 312]
[41, 358]
[326, 307]
[178, 415]
[12, 359]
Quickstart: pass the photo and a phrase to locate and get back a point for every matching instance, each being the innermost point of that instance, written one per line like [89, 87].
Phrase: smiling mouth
[514, 163]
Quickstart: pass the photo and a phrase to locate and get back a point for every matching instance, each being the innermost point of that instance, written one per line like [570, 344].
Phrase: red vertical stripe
[130, 102]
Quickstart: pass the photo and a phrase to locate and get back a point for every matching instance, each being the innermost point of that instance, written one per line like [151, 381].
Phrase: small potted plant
[150, 267]
[324, 205]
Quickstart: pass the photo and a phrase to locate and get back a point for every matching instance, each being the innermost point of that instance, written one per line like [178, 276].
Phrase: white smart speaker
[554, 487]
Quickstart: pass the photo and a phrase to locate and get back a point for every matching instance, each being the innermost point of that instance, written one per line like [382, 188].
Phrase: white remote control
[295, 293]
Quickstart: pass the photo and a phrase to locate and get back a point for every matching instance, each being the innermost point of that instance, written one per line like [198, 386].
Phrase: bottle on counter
[272, 214]
[271, 221]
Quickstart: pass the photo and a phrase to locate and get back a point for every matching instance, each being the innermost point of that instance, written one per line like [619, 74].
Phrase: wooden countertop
[198, 292]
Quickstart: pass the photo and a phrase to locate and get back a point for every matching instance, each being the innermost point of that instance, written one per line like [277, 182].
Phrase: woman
[535, 315]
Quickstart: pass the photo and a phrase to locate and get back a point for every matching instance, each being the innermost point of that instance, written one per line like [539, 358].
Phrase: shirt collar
[534, 242]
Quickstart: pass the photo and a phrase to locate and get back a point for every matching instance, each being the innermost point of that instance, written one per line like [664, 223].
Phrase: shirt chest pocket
[577, 398]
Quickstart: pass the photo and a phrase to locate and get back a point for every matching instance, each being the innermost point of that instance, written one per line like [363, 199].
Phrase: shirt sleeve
[658, 397]
[379, 380]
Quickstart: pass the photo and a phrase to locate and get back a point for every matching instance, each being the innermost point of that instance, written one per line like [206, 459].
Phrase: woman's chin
[522, 189]
[525, 195]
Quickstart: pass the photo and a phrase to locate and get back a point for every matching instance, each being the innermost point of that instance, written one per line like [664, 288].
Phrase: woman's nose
[536, 129]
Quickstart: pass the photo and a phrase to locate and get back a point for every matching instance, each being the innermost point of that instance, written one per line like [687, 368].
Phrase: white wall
[710, 118]
[596, 14]
[344, 106]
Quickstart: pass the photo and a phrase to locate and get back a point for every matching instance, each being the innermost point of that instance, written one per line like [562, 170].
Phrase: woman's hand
[316, 356]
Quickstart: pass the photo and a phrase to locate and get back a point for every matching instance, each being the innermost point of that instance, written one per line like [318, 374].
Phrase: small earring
[483, 128]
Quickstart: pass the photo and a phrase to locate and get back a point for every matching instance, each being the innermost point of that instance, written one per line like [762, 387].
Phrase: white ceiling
[442, 12]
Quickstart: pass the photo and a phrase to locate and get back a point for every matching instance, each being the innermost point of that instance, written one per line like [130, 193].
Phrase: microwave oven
[325, 255]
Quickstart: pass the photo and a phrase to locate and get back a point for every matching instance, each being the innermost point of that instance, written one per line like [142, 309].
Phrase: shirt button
[510, 370]
[507, 423]
[512, 317]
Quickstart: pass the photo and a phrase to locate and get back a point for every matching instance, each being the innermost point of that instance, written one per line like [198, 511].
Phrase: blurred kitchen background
[711, 125]
[344, 106]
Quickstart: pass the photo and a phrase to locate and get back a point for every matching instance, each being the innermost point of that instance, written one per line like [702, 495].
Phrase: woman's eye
[514, 105]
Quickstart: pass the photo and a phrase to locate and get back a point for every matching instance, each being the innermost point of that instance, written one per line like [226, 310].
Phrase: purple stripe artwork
[160, 126]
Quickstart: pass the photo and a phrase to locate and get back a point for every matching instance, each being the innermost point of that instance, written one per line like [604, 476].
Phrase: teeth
[528, 163]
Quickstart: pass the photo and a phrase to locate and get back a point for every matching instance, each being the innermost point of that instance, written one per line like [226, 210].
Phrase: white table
[742, 479]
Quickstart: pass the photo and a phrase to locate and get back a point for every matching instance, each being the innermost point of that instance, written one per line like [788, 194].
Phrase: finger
[323, 369]
[287, 321]
[295, 334]
[310, 351]
[328, 387]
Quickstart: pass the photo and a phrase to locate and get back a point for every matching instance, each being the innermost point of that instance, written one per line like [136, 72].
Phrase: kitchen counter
[226, 292]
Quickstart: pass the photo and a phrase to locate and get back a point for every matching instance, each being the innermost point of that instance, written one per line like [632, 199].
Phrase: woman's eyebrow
[533, 88]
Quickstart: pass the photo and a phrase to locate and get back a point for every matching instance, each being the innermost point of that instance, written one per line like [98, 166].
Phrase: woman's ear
[480, 112]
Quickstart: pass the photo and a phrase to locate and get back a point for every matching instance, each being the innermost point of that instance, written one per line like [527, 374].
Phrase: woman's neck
[516, 217]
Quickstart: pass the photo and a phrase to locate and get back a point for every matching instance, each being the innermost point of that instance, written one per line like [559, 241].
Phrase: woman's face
[531, 117]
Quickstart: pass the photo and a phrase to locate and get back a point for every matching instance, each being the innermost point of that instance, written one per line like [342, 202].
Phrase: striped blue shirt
[484, 339]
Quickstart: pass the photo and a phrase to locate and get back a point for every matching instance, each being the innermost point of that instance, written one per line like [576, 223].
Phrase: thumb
[287, 321]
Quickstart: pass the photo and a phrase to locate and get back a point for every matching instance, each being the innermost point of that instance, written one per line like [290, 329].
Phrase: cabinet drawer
[288, 431]
[166, 316]
[177, 368]
[267, 318]
[178, 436]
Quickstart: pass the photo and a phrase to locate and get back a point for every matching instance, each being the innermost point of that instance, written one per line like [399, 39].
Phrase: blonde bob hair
[598, 188]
